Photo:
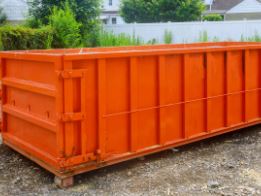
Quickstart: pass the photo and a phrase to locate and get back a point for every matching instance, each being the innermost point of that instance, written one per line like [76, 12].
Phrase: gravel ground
[224, 165]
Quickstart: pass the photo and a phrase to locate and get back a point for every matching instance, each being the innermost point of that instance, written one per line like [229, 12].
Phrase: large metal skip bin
[76, 110]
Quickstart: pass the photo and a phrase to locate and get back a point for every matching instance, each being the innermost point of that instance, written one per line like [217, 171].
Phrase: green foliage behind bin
[24, 38]
[66, 28]
[213, 17]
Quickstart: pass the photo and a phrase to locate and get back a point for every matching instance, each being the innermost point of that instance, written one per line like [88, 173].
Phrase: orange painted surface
[79, 109]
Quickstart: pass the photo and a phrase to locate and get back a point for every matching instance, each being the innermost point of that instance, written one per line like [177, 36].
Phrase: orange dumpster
[0, 116]
[76, 110]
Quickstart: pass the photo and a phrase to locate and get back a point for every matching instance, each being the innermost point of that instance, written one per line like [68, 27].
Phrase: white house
[230, 9]
[235, 9]
[246, 10]
[110, 12]
[15, 10]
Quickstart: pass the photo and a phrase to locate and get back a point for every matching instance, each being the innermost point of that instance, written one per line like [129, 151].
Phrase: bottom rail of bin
[65, 177]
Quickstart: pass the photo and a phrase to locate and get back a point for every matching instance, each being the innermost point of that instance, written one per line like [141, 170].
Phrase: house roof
[225, 4]
[247, 6]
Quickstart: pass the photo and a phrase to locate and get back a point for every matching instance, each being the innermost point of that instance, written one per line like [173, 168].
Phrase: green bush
[168, 37]
[216, 39]
[153, 41]
[33, 22]
[24, 38]
[87, 12]
[213, 17]
[203, 37]
[110, 39]
[66, 28]
[255, 38]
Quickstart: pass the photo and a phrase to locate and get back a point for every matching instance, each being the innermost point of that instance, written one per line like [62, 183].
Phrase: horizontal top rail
[137, 52]
[112, 52]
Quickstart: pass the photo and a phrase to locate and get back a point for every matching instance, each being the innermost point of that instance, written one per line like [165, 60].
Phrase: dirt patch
[225, 165]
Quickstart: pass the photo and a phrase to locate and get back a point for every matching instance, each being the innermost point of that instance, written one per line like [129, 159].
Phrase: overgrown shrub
[213, 17]
[66, 28]
[153, 41]
[203, 37]
[168, 37]
[111, 39]
[216, 39]
[255, 38]
[24, 38]
[33, 22]
[87, 12]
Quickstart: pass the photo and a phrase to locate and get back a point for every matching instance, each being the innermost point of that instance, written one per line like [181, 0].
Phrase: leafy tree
[139, 10]
[86, 12]
[2, 16]
[66, 28]
[161, 10]
[33, 22]
[213, 17]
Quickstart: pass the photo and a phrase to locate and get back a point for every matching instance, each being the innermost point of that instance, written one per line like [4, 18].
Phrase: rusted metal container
[73, 111]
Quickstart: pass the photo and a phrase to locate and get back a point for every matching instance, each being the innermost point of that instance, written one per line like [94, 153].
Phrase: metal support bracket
[70, 117]
[69, 74]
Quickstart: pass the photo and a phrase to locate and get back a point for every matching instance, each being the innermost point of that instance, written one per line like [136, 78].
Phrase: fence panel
[187, 32]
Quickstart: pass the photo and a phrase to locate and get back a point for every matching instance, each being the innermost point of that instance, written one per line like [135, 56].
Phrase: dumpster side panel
[117, 101]
[147, 120]
[29, 107]
[253, 85]
[235, 84]
[138, 103]
[172, 94]
[78, 112]
[216, 90]
[195, 80]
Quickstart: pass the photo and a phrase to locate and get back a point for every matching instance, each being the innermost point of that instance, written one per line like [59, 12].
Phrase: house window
[114, 20]
[110, 2]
